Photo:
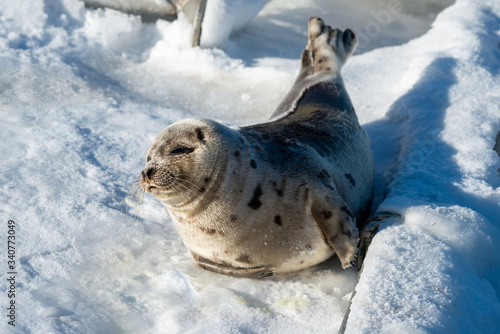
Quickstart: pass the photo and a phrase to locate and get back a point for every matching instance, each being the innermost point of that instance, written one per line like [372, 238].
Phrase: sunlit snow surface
[84, 92]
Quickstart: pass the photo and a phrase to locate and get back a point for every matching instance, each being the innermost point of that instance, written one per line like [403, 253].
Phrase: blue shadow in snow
[414, 162]
[416, 117]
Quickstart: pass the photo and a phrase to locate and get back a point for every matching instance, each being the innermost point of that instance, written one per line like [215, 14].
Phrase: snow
[83, 93]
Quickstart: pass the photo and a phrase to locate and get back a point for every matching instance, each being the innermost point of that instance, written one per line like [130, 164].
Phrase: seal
[278, 196]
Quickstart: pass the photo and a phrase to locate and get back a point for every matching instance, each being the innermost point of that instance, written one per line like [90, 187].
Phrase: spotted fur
[277, 196]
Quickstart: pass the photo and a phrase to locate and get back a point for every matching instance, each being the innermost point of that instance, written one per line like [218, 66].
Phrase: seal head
[181, 160]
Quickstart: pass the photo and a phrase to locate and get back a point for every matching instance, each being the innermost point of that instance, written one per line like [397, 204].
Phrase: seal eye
[181, 150]
[148, 158]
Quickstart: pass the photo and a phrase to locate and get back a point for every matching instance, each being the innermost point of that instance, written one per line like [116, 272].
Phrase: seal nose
[146, 173]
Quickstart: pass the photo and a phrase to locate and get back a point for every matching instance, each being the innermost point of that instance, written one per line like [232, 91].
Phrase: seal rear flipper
[331, 47]
[297, 90]
[319, 85]
[338, 225]
[259, 272]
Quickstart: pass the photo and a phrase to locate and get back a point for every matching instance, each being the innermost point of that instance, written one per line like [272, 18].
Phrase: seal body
[278, 196]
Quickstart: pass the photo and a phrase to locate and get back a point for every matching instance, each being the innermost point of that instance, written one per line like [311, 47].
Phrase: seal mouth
[157, 189]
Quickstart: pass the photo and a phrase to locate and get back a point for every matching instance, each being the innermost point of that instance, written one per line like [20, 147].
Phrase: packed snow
[83, 92]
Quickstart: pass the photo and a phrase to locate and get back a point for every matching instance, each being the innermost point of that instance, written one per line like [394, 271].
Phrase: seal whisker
[189, 182]
[180, 192]
[133, 200]
[133, 189]
[186, 188]
[140, 200]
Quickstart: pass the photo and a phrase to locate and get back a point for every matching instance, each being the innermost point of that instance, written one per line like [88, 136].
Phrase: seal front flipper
[259, 272]
[337, 223]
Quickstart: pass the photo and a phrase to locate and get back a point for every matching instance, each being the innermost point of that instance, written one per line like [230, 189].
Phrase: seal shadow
[406, 143]
[411, 159]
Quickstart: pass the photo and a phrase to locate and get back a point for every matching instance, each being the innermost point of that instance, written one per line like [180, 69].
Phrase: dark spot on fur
[255, 202]
[258, 148]
[326, 214]
[202, 189]
[253, 164]
[207, 179]
[200, 134]
[351, 179]
[301, 262]
[278, 191]
[277, 220]
[298, 190]
[243, 258]
[346, 233]
[347, 211]
[233, 218]
[324, 177]
[237, 154]
[309, 247]
[328, 68]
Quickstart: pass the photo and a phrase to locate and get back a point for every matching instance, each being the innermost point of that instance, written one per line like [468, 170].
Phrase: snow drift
[83, 92]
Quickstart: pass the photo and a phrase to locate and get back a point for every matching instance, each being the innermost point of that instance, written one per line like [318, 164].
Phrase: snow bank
[224, 17]
[438, 271]
[83, 92]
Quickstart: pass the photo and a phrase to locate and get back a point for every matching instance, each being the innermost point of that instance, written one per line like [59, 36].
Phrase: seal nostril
[147, 173]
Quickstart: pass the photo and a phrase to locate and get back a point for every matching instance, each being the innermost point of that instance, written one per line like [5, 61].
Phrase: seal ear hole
[181, 150]
[200, 135]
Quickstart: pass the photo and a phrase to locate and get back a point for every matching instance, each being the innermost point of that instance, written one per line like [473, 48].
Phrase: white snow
[83, 92]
